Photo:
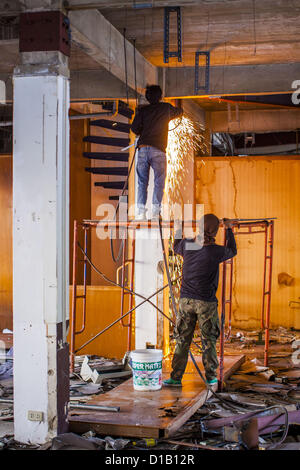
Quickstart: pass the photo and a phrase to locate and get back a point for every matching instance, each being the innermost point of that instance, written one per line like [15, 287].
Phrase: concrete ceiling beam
[256, 121]
[194, 111]
[179, 82]
[116, 4]
[97, 38]
[97, 84]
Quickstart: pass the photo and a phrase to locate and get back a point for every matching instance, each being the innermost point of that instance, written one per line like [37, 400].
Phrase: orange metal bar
[131, 296]
[135, 224]
[123, 282]
[264, 280]
[268, 225]
[73, 313]
[222, 326]
[84, 286]
[268, 313]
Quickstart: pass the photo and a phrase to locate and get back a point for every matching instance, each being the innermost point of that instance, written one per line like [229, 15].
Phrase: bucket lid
[147, 351]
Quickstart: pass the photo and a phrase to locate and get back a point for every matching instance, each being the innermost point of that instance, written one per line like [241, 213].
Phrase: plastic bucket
[146, 365]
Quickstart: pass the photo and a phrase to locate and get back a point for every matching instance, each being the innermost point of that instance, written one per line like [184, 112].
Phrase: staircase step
[113, 125]
[113, 198]
[121, 171]
[110, 184]
[111, 141]
[113, 156]
[123, 109]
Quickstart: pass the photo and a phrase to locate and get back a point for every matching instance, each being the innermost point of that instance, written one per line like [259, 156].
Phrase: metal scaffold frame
[245, 227]
[266, 227]
[85, 226]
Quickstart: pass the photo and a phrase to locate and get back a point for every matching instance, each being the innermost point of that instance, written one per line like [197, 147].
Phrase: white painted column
[148, 278]
[40, 245]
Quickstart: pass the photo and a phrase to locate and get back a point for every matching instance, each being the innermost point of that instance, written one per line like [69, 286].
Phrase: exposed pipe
[99, 5]
[94, 407]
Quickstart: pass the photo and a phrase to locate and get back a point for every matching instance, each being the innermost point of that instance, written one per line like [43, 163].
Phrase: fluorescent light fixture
[142, 5]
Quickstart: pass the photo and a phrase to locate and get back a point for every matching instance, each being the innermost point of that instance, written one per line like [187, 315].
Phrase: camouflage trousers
[191, 310]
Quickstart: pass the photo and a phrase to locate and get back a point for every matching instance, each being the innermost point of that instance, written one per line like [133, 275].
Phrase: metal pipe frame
[267, 227]
[84, 286]
[74, 296]
[249, 224]
[85, 226]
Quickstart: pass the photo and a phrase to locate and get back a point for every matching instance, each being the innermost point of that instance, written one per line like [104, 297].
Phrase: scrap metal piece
[94, 407]
[231, 434]
[245, 433]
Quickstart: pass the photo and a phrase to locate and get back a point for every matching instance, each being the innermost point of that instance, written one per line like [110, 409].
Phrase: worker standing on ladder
[151, 125]
[200, 278]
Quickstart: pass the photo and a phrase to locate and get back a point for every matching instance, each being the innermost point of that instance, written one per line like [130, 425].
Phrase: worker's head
[153, 94]
[210, 226]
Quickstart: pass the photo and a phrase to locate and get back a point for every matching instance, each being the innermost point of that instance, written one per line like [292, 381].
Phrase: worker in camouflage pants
[200, 277]
[191, 310]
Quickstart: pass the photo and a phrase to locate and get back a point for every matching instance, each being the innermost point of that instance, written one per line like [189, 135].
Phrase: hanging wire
[125, 60]
[135, 78]
[254, 24]
[207, 31]
[125, 187]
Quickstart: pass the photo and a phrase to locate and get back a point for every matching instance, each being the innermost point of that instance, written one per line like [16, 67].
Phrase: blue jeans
[157, 160]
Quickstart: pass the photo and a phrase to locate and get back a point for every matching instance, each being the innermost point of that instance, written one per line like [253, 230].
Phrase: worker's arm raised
[230, 248]
[175, 112]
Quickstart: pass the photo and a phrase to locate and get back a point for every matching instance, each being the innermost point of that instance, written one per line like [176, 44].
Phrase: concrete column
[148, 277]
[40, 245]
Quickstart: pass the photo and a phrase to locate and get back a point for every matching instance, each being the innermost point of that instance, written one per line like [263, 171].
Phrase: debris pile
[259, 407]
[249, 338]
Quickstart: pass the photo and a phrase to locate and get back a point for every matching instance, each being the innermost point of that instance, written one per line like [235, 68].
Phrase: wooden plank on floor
[200, 399]
[143, 414]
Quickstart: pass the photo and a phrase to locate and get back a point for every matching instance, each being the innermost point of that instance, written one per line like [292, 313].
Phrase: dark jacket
[151, 124]
[201, 267]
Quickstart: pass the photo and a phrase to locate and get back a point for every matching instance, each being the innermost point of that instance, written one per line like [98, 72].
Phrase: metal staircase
[111, 141]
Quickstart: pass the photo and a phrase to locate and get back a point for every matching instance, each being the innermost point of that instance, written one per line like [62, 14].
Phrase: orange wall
[80, 185]
[6, 242]
[258, 187]
[103, 307]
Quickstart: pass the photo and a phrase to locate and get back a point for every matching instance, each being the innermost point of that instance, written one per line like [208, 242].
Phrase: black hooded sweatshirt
[201, 267]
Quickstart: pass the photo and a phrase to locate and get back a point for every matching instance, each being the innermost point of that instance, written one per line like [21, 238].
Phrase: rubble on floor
[280, 335]
[6, 364]
[259, 407]
[94, 375]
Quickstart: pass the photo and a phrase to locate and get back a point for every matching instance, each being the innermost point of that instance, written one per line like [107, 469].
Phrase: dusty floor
[252, 388]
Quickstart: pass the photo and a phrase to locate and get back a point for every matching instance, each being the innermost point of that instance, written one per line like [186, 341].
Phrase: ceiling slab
[236, 32]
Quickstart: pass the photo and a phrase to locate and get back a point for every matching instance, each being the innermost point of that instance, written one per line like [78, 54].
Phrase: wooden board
[143, 414]
[6, 320]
